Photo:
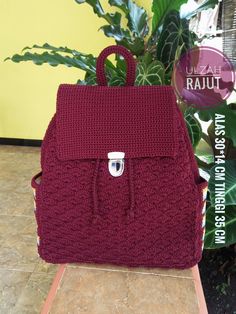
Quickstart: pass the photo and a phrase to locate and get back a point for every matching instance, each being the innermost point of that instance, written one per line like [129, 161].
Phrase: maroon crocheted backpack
[119, 182]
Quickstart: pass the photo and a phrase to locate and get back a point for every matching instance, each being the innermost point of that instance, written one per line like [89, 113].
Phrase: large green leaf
[132, 38]
[136, 16]
[137, 19]
[122, 37]
[117, 33]
[52, 48]
[210, 241]
[55, 56]
[175, 33]
[136, 46]
[160, 8]
[229, 112]
[121, 4]
[206, 4]
[55, 59]
[229, 180]
[113, 19]
[194, 128]
[151, 74]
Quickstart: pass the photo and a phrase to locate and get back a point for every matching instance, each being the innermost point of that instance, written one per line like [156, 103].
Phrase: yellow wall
[27, 91]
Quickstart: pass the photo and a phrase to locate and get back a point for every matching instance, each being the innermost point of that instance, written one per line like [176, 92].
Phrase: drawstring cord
[94, 192]
[130, 212]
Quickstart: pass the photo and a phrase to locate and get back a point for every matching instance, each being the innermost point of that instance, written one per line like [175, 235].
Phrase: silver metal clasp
[116, 163]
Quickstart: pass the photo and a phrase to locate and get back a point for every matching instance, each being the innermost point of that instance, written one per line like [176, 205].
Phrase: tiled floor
[26, 280]
[108, 290]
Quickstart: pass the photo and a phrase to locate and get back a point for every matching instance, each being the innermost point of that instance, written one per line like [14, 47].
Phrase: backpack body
[139, 208]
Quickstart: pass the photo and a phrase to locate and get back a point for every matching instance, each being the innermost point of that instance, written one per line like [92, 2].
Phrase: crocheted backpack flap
[92, 121]
[119, 182]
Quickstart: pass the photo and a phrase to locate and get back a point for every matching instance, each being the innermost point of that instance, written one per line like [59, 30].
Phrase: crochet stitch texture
[149, 216]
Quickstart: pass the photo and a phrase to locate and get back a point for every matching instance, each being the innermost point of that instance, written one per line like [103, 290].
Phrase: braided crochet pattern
[149, 216]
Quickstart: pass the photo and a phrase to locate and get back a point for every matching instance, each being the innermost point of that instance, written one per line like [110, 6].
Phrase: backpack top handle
[130, 64]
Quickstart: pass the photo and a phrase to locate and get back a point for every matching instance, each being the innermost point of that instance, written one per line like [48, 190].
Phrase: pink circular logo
[203, 77]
